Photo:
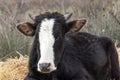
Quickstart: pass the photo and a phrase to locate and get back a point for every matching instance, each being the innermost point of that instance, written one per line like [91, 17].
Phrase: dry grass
[118, 50]
[16, 69]
[103, 18]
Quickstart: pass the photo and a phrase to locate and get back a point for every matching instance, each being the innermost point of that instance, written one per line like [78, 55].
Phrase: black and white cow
[60, 52]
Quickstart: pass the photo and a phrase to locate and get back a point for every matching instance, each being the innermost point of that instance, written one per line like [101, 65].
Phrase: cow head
[49, 29]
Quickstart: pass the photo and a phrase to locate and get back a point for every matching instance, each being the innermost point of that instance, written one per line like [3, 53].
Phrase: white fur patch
[46, 40]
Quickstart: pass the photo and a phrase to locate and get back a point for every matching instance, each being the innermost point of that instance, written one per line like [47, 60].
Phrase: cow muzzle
[46, 67]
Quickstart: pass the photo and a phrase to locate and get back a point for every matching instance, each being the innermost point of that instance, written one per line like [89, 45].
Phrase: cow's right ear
[26, 28]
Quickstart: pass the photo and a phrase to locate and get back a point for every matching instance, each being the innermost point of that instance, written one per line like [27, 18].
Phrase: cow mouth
[47, 70]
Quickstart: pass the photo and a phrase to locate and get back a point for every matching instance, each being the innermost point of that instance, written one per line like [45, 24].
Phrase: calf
[60, 52]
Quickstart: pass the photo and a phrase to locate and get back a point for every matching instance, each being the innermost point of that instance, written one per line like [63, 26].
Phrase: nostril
[48, 65]
[44, 65]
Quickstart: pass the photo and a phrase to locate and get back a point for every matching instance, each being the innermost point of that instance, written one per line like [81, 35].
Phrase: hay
[14, 69]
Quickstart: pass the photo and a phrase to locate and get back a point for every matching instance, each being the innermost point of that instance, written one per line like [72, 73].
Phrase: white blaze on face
[46, 40]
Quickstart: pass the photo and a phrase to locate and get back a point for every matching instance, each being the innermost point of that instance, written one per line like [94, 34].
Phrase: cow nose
[44, 67]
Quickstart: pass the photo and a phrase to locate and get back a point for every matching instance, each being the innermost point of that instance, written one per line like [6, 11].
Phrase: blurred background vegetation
[103, 19]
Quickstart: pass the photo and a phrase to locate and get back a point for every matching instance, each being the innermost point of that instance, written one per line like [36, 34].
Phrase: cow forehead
[46, 40]
[47, 24]
[46, 28]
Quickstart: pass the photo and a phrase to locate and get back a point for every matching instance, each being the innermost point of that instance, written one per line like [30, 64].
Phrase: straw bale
[14, 69]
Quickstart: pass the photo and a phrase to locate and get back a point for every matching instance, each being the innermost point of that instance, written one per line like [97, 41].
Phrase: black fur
[82, 56]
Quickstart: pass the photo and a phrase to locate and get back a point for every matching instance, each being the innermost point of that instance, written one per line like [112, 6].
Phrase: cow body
[87, 57]
[60, 52]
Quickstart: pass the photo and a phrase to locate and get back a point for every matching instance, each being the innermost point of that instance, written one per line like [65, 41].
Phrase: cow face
[49, 29]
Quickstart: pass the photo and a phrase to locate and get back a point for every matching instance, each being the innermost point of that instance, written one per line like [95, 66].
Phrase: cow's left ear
[75, 25]
[26, 28]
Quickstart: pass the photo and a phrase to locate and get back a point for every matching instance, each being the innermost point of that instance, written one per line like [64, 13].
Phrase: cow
[61, 52]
